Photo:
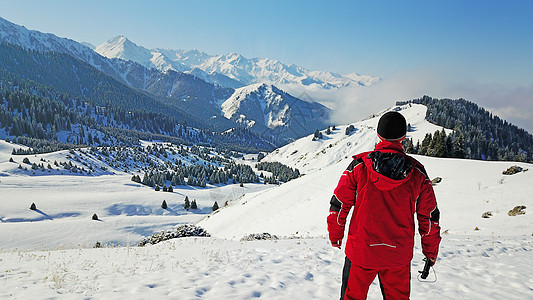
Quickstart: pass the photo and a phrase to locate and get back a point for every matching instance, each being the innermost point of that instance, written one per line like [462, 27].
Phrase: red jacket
[386, 187]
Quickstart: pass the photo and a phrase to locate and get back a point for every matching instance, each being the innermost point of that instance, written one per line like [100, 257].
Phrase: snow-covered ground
[66, 202]
[480, 258]
[211, 268]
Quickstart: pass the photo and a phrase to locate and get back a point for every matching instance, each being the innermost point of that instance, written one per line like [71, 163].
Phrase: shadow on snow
[43, 216]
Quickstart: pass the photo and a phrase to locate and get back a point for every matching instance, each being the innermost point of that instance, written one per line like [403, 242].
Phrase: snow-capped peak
[121, 47]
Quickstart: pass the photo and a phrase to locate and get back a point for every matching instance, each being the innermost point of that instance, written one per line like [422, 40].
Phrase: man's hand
[336, 244]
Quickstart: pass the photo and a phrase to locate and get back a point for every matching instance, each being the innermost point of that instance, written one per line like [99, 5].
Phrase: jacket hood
[388, 166]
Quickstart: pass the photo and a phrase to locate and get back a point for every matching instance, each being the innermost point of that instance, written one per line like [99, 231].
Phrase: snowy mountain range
[178, 83]
[231, 70]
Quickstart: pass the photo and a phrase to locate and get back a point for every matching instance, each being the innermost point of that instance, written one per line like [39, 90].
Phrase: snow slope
[493, 262]
[468, 189]
[308, 155]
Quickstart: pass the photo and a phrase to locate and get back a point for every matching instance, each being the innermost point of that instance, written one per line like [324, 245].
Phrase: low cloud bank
[511, 103]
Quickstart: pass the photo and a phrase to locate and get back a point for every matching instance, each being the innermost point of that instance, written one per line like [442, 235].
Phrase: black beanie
[392, 126]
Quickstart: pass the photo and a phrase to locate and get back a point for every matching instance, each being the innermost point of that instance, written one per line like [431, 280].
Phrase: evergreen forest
[477, 133]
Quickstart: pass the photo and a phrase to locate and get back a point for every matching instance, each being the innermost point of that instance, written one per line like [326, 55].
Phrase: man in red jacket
[386, 187]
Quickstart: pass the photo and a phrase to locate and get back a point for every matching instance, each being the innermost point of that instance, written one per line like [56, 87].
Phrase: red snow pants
[395, 283]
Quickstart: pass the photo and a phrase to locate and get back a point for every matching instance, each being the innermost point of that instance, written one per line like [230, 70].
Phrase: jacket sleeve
[341, 202]
[428, 216]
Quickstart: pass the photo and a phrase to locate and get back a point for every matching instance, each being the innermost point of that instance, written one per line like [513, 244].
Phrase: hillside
[493, 261]
[46, 119]
[309, 155]
[73, 77]
[477, 132]
[469, 188]
[69, 186]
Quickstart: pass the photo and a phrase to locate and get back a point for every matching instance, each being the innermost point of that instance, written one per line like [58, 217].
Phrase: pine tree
[187, 204]
[410, 149]
[164, 205]
[448, 146]
[440, 147]
[317, 135]
[459, 147]
[432, 147]
[260, 156]
[193, 204]
[423, 149]
[215, 206]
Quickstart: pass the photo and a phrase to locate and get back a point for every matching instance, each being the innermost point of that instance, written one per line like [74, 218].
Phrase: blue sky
[478, 50]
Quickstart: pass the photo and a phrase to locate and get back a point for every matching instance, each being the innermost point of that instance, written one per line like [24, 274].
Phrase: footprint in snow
[256, 294]
[309, 276]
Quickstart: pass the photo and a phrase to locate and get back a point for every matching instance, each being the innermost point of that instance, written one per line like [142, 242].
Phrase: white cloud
[514, 104]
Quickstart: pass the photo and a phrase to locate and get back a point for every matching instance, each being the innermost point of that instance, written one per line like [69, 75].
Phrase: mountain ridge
[232, 65]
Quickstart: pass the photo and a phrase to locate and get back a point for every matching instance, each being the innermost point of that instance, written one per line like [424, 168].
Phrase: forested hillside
[47, 120]
[478, 134]
[73, 77]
